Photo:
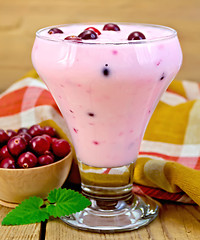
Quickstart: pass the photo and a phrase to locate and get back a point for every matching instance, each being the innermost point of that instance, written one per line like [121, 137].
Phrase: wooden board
[20, 19]
[175, 221]
[180, 222]
[23, 232]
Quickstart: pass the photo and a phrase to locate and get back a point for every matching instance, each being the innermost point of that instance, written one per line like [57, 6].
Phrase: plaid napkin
[169, 160]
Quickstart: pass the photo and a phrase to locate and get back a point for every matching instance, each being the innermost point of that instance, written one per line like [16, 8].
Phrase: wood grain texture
[23, 232]
[175, 222]
[180, 222]
[20, 19]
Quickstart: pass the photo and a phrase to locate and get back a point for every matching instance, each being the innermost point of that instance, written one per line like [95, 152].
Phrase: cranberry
[73, 38]
[39, 145]
[7, 163]
[22, 130]
[54, 31]
[75, 130]
[111, 27]
[94, 30]
[35, 130]
[54, 140]
[49, 131]
[3, 137]
[136, 36]
[26, 136]
[27, 160]
[106, 72]
[88, 34]
[91, 114]
[11, 133]
[47, 137]
[16, 145]
[162, 76]
[50, 154]
[45, 159]
[4, 153]
[60, 147]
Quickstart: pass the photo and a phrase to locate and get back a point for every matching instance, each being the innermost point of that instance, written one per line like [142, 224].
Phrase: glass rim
[173, 33]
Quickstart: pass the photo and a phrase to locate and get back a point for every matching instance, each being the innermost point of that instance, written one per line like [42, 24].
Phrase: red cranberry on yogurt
[54, 31]
[136, 36]
[111, 27]
[88, 34]
[94, 30]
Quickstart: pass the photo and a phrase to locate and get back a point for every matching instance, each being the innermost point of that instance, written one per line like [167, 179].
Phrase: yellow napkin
[169, 157]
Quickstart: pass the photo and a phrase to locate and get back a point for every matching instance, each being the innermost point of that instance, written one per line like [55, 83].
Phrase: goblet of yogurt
[107, 80]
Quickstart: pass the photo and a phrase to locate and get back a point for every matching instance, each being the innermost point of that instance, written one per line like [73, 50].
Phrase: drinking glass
[107, 92]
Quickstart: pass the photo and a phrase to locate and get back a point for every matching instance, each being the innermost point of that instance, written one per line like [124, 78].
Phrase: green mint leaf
[60, 202]
[29, 211]
[65, 202]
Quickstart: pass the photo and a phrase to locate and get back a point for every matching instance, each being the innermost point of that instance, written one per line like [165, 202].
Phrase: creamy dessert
[107, 80]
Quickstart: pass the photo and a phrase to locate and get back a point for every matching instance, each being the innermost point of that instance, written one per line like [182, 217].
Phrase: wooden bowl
[19, 184]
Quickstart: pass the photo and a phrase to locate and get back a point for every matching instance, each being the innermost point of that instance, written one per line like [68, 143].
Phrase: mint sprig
[29, 211]
[66, 203]
[60, 202]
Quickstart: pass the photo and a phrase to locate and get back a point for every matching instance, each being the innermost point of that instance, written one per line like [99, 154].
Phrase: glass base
[109, 216]
[114, 208]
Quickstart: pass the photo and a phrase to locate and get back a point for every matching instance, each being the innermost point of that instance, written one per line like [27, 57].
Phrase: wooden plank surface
[175, 222]
[20, 19]
[23, 232]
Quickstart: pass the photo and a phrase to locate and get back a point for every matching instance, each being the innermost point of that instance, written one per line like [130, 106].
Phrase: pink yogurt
[107, 88]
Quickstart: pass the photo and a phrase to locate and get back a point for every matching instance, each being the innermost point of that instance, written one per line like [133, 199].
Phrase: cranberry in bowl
[22, 172]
